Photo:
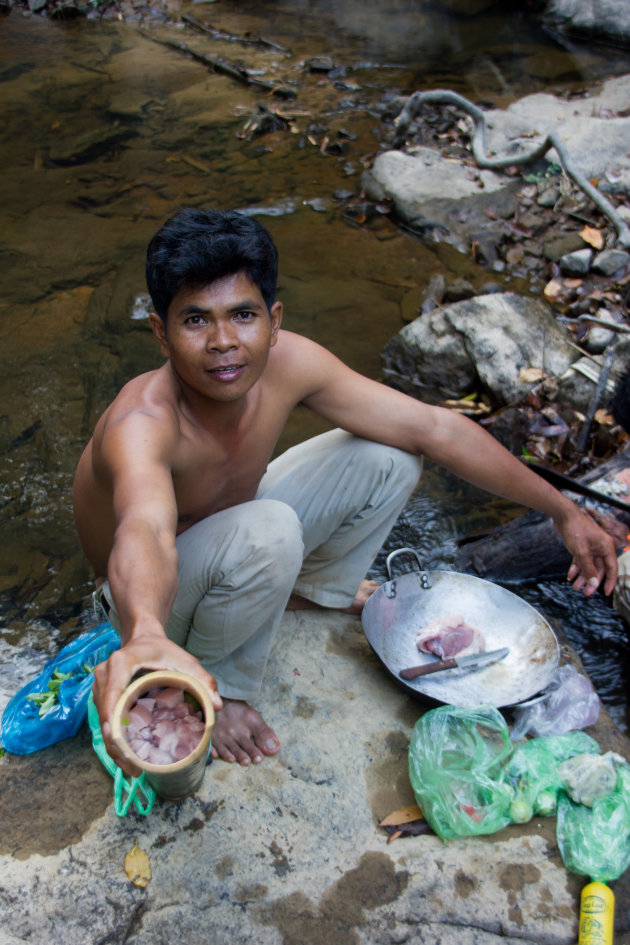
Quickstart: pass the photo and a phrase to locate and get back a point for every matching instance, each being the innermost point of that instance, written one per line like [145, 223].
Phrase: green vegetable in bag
[455, 768]
[533, 772]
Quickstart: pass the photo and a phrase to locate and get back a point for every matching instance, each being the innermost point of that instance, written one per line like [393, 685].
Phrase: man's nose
[223, 337]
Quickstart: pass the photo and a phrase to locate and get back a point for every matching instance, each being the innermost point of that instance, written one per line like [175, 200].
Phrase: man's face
[218, 337]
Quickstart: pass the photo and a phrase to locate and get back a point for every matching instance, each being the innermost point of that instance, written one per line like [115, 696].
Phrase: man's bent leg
[347, 493]
[236, 572]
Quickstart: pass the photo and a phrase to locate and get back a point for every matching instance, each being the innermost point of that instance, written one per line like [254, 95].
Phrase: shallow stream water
[106, 131]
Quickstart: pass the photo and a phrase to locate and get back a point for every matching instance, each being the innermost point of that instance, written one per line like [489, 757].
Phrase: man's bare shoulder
[145, 403]
[302, 363]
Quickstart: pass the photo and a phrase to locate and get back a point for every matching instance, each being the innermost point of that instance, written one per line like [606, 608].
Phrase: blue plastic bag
[28, 726]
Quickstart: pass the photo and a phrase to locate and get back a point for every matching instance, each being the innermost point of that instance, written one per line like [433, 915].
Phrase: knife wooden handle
[425, 668]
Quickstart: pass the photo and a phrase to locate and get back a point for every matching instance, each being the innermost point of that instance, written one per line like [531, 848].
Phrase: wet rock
[320, 64]
[459, 289]
[577, 263]
[434, 294]
[559, 246]
[610, 261]
[477, 344]
[89, 145]
[534, 222]
[548, 197]
[598, 18]
[417, 184]
[597, 339]
[132, 105]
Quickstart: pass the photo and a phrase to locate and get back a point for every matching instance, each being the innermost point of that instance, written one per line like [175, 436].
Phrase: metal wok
[395, 613]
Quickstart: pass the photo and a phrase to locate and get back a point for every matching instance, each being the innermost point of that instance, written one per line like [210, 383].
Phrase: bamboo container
[178, 780]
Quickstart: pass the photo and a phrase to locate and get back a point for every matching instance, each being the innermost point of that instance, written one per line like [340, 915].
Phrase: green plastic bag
[532, 771]
[595, 841]
[469, 779]
[455, 767]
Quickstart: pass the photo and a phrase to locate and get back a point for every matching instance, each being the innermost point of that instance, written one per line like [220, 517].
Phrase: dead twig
[224, 68]
[231, 37]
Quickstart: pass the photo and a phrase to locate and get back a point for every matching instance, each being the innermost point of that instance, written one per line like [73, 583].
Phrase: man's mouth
[227, 372]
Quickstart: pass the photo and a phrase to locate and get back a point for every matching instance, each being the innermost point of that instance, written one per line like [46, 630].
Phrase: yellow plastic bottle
[597, 915]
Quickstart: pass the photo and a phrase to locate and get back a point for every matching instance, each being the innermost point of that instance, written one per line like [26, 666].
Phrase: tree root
[551, 140]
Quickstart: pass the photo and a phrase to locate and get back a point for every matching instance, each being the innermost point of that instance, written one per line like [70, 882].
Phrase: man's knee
[276, 533]
[398, 467]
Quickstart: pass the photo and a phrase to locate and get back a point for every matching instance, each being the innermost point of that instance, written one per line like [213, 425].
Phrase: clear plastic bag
[455, 768]
[53, 705]
[595, 841]
[571, 703]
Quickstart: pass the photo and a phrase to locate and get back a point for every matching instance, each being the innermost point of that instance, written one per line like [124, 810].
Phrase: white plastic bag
[571, 703]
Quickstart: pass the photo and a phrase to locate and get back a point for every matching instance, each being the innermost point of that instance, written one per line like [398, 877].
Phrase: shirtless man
[197, 540]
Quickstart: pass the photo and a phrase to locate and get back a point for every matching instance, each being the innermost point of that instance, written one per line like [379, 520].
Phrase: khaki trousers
[322, 512]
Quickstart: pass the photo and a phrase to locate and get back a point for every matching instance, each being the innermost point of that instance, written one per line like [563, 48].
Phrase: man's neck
[220, 418]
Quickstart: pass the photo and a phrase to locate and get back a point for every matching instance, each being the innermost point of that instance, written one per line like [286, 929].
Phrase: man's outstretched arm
[376, 412]
[142, 565]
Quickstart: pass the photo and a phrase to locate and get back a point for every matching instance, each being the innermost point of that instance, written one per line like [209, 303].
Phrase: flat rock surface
[288, 852]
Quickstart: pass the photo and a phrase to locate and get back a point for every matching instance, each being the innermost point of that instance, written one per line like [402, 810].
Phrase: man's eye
[245, 316]
[195, 320]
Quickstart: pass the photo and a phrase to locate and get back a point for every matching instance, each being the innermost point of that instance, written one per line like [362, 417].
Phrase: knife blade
[474, 661]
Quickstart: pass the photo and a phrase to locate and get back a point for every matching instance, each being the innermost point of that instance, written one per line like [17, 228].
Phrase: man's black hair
[196, 247]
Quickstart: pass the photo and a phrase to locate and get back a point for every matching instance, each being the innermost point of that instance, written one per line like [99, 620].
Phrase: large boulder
[437, 196]
[607, 19]
[482, 344]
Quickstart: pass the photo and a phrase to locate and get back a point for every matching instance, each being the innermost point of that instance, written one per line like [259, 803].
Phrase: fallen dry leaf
[553, 290]
[531, 375]
[137, 866]
[604, 417]
[405, 815]
[593, 237]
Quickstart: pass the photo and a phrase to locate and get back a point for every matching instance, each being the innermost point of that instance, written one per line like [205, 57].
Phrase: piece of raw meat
[450, 636]
[163, 727]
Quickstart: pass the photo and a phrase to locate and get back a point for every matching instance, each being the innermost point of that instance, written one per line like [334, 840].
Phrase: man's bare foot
[241, 734]
[366, 589]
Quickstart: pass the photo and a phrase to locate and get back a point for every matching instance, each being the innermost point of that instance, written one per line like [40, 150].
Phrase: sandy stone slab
[289, 852]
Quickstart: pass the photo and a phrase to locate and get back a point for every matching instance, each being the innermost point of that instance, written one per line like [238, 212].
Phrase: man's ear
[275, 313]
[159, 330]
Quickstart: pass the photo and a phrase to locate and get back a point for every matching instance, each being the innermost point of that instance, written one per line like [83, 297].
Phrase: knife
[474, 661]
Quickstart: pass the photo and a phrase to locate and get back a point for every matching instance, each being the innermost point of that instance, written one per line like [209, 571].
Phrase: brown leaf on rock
[553, 290]
[531, 375]
[593, 237]
[137, 866]
[403, 815]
